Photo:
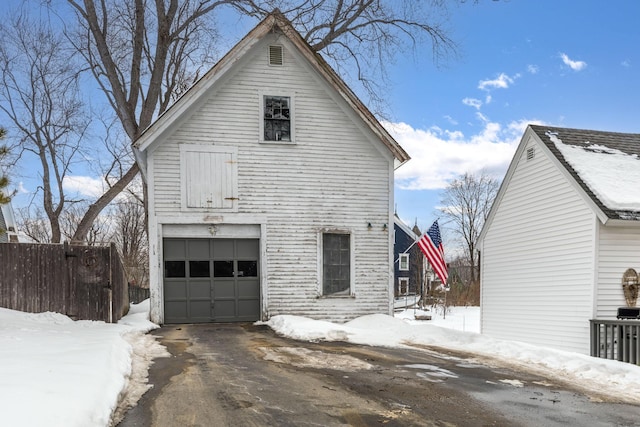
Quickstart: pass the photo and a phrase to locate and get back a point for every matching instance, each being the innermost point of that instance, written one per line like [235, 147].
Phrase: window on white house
[277, 118]
[404, 262]
[403, 285]
[336, 263]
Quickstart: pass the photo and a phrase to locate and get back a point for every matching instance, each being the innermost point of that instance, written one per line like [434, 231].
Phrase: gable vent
[276, 55]
[531, 153]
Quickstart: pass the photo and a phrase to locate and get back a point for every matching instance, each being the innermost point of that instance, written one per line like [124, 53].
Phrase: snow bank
[606, 377]
[58, 372]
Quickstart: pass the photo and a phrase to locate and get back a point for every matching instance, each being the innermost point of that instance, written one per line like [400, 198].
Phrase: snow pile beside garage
[605, 377]
[58, 372]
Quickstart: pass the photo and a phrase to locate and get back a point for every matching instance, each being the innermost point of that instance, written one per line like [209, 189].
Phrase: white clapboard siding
[538, 257]
[619, 249]
[333, 176]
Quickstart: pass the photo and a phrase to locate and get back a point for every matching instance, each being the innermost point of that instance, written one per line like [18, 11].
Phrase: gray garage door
[211, 280]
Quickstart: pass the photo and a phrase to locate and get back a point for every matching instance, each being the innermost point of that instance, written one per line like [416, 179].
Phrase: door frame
[236, 226]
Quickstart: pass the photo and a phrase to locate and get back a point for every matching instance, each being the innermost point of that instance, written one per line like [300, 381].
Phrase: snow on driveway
[58, 372]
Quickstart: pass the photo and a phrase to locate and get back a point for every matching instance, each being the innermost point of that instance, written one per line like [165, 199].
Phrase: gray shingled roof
[628, 143]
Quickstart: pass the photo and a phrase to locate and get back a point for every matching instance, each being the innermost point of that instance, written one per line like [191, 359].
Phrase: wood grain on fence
[82, 282]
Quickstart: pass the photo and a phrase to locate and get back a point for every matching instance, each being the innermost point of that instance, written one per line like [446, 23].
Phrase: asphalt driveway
[245, 375]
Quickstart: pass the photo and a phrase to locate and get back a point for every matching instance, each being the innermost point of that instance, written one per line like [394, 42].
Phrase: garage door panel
[224, 289]
[200, 311]
[249, 289]
[175, 249]
[175, 311]
[200, 290]
[225, 310]
[223, 249]
[199, 248]
[248, 308]
[173, 290]
[247, 249]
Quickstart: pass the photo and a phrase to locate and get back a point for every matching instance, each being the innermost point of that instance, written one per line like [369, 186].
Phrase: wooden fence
[138, 294]
[82, 282]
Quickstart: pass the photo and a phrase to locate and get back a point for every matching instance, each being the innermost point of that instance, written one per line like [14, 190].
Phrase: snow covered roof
[606, 165]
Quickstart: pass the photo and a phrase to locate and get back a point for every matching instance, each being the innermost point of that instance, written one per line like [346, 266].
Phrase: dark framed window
[277, 118]
[247, 268]
[336, 264]
[174, 269]
[199, 269]
[403, 285]
[222, 268]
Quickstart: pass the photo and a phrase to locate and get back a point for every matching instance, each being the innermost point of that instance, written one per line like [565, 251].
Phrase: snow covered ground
[57, 372]
[459, 331]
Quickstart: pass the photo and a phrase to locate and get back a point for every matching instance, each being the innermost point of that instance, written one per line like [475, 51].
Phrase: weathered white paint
[538, 257]
[208, 176]
[335, 174]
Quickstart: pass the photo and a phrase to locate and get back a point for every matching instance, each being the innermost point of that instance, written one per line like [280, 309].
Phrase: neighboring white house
[8, 224]
[563, 229]
[270, 191]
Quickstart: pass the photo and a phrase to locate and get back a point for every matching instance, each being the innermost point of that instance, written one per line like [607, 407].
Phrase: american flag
[431, 245]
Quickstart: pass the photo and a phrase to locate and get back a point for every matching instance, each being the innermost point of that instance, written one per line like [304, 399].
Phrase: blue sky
[557, 62]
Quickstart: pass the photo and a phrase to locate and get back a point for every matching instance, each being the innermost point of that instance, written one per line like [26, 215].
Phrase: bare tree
[99, 232]
[130, 237]
[143, 54]
[33, 224]
[361, 37]
[466, 203]
[40, 95]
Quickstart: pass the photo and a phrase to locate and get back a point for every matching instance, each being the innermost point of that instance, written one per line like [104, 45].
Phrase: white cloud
[451, 120]
[574, 65]
[626, 63]
[533, 69]
[472, 102]
[438, 157]
[84, 185]
[21, 189]
[503, 81]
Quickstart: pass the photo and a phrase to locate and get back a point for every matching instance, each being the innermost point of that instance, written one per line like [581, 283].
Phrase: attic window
[277, 118]
[276, 55]
[531, 153]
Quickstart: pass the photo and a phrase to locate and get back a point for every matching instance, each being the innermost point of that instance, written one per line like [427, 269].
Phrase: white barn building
[270, 191]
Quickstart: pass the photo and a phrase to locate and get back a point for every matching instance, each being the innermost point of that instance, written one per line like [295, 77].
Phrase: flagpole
[416, 241]
[410, 246]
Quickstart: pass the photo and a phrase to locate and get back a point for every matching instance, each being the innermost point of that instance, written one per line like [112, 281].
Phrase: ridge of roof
[268, 24]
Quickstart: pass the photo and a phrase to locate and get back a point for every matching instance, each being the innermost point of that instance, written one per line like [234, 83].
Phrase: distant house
[8, 224]
[562, 231]
[270, 191]
[408, 265]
